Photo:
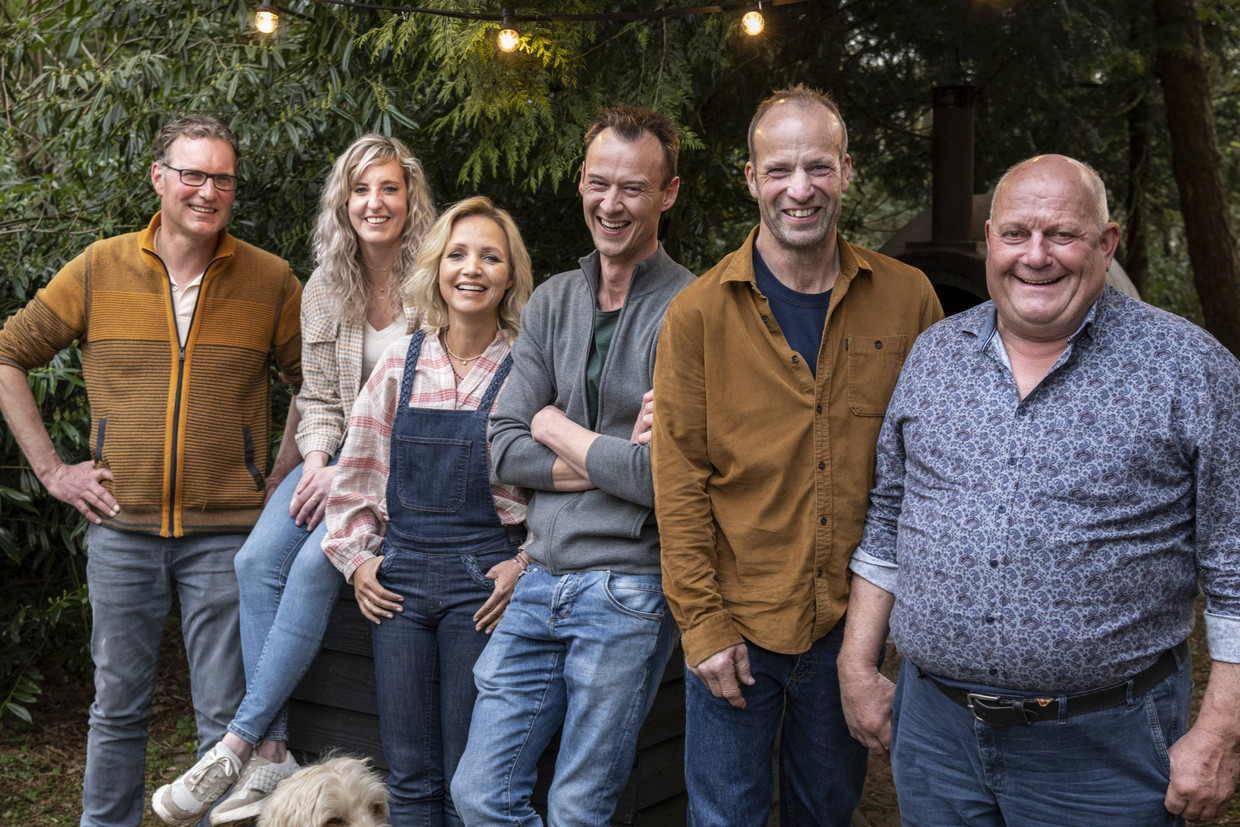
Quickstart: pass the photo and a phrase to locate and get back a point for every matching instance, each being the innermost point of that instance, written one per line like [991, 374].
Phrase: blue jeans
[729, 772]
[586, 649]
[131, 578]
[288, 587]
[424, 674]
[1105, 767]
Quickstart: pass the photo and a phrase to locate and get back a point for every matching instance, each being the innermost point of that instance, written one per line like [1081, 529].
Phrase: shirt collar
[988, 329]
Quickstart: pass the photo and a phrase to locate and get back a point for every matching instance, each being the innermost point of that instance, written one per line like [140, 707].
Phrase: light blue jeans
[288, 589]
[1104, 767]
[586, 649]
[131, 578]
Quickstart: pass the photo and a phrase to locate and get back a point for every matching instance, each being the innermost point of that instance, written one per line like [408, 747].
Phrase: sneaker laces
[211, 773]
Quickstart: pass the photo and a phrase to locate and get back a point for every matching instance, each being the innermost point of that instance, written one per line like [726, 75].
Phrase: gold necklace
[464, 362]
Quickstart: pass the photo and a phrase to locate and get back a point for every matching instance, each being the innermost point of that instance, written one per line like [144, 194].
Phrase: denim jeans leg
[406, 685]
[821, 766]
[206, 582]
[521, 702]
[620, 633]
[460, 645]
[280, 637]
[130, 596]
[729, 751]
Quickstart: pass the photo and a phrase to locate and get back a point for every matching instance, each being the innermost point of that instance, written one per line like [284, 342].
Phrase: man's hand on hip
[81, 486]
[724, 672]
[1203, 775]
[866, 697]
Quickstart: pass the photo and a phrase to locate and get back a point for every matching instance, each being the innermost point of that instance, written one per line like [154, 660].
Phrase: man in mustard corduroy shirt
[773, 373]
[177, 324]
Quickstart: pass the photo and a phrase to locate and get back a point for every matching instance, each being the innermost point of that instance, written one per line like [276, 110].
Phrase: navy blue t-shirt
[801, 316]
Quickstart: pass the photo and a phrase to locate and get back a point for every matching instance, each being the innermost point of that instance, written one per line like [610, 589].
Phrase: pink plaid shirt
[357, 514]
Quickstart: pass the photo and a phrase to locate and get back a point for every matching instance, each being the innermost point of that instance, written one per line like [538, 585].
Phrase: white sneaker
[250, 795]
[185, 801]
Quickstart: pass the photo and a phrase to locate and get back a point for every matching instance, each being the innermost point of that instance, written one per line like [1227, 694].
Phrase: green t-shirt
[604, 329]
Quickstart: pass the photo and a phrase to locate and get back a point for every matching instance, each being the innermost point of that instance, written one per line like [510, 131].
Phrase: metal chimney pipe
[952, 204]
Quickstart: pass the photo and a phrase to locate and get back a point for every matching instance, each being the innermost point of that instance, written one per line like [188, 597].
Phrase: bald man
[1056, 471]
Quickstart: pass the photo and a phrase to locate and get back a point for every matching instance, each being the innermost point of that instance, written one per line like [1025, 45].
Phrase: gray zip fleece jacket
[613, 526]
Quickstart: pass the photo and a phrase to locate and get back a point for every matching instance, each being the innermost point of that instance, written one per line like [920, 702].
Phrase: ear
[157, 179]
[845, 173]
[986, 233]
[669, 194]
[1109, 241]
[581, 179]
[751, 180]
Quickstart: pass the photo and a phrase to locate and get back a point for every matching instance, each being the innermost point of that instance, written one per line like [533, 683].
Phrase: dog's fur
[344, 789]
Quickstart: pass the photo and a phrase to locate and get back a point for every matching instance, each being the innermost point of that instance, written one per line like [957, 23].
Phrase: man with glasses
[177, 325]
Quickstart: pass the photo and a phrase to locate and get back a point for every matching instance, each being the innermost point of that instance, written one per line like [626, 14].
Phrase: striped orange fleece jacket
[184, 432]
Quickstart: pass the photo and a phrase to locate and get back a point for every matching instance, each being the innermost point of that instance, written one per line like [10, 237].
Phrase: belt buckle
[997, 711]
[974, 697]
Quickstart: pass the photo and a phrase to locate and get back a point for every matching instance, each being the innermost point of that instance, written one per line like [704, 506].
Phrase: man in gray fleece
[587, 635]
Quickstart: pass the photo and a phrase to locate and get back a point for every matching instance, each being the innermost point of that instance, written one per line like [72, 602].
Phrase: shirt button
[994, 670]
[994, 564]
[990, 619]
[818, 573]
[878, 345]
[817, 409]
[1001, 509]
[822, 521]
[1021, 411]
[795, 358]
[822, 466]
[1012, 461]
[765, 319]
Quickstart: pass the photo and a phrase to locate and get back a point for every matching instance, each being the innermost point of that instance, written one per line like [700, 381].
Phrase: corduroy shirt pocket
[874, 364]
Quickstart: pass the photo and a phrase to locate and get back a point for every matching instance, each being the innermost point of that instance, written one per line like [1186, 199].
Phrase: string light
[752, 21]
[267, 17]
[508, 34]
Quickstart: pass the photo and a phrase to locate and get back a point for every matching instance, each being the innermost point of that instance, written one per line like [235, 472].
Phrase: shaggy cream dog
[340, 792]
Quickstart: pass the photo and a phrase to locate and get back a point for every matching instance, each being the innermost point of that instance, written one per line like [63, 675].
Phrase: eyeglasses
[196, 178]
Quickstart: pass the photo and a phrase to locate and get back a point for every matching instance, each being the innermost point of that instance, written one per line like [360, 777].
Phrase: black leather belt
[1004, 710]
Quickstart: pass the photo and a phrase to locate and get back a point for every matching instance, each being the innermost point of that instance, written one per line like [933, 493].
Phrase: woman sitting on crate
[374, 210]
[428, 537]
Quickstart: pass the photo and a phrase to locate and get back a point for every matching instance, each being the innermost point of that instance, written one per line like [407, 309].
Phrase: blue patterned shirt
[1055, 543]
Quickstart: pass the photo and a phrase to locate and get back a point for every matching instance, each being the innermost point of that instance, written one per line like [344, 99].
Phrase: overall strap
[488, 398]
[411, 363]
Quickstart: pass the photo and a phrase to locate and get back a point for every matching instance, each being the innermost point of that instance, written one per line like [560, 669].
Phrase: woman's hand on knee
[377, 603]
[309, 501]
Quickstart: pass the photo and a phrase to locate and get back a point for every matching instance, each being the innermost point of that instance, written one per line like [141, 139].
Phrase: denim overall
[443, 535]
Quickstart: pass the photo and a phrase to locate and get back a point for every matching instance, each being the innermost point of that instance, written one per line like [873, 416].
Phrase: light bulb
[267, 18]
[508, 39]
[753, 22]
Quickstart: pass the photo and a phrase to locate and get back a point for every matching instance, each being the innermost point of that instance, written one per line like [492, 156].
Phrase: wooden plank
[321, 729]
[340, 680]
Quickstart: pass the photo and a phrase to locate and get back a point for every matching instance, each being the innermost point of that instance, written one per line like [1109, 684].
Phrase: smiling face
[797, 173]
[378, 205]
[474, 270]
[623, 195]
[1046, 260]
[195, 212]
